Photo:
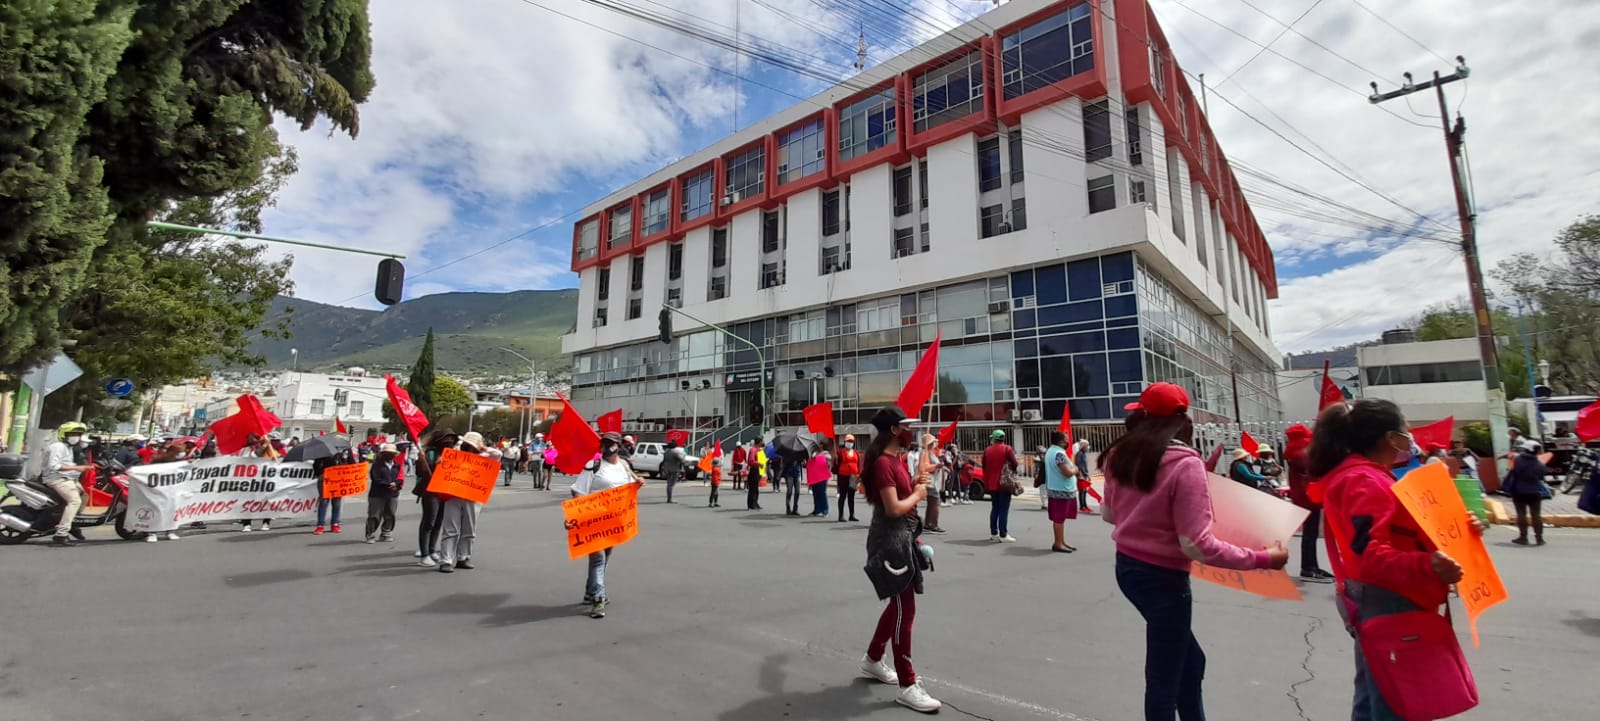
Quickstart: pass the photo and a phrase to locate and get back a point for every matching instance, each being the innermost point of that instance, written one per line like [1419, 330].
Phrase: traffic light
[391, 281]
[666, 326]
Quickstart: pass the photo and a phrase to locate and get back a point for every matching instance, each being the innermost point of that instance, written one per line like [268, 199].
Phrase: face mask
[906, 437]
[608, 451]
[74, 440]
[850, 444]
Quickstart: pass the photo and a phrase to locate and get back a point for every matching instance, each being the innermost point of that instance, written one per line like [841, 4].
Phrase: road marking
[958, 686]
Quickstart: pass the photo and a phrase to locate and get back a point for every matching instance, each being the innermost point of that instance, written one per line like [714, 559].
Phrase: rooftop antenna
[861, 49]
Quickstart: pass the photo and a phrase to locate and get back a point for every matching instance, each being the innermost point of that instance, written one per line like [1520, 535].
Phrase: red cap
[1161, 399]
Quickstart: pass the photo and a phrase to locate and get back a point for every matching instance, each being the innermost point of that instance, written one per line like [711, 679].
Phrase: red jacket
[1385, 547]
[738, 455]
[996, 459]
[849, 462]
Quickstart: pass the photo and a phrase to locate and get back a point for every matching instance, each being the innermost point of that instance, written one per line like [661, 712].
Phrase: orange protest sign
[346, 480]
[1429, 493]
[601, 520]
[465, 475]
[1261, 582]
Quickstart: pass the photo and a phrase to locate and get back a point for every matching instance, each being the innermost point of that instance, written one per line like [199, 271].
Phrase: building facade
[842, 235]
[308, 403]
[1429, 380]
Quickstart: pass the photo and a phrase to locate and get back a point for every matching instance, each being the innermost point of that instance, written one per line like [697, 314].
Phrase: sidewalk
[1560, 511]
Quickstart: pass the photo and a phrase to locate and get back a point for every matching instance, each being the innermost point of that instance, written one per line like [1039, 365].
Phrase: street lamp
[294, 363]
[526, 422]
[1544, 371]
[1538, 415]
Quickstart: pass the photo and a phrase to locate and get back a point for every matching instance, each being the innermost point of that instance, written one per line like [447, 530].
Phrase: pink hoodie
[1171, 525]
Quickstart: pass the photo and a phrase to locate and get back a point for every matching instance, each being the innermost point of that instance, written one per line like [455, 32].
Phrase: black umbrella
[318, 448]
[795, 443]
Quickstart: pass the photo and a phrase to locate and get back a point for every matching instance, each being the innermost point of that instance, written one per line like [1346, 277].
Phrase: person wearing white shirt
[61, 472]
[611, 471]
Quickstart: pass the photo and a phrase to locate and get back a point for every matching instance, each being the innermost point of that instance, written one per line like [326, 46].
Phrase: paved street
[717, 614]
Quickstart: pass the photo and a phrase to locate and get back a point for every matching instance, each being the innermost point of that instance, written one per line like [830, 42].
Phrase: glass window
[1120, 306]
[588, 239]
[1055, 376]
[1116, 268]
[830, 212]
[603, 284]
[319, 406]
[747, 174]
[1052, 283]
[1121, 338]
[1070, 313]
[902, 191]
[1019, 214]
[1135, 136]
[989, 164]
[636, 273]
[718, 288]
[1047, 52]
[922, 181]
[675, 261]
[635, 308]
[1089, 375]
[1097, 130]
[1027, 374]
[801, 151]
[1453, 372]
[834, 260]
[1102, 194]
[867, 124]
[948, 92]
[657, 212]
[1025, 319]
[719, 247]
[963, 301]
[697, 195]
[992, 219]
[1083, 279]
[770, 225]
[904, 240]
[1135, 191]
[1125, 366]
[1022, 284]
[770, 276]
[1026, 348]
[621, 226]
[1014, 150]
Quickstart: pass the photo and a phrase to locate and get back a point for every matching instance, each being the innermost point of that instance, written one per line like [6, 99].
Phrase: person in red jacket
[738, 465]
[997, 459]
[848, 474]
[1296, 453]
[1385, 563]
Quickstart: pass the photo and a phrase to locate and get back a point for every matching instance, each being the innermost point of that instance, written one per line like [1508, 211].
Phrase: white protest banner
[164, 496]
[1246, 517]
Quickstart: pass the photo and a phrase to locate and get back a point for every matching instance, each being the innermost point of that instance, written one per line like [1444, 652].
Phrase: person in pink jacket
[1156, 496]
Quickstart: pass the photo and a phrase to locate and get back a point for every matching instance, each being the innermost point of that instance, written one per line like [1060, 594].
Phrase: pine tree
[420, 385]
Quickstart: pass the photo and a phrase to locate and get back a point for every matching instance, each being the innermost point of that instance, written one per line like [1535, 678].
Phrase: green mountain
[468, 328]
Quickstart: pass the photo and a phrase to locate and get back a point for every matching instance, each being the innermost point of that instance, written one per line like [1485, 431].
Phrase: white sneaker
[173, 535]
[434, 557]
[266, 525]
[879, 670]
[370, 539]
[152, 538]
[914, 697]
[416, 554]
[245, 528]
[994, 539]
[1007, 539]
[427, 562]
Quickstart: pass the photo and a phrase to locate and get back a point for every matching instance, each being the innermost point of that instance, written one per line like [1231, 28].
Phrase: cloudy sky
[495, 121]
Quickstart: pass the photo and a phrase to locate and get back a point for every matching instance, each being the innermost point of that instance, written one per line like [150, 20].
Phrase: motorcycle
[30, 508]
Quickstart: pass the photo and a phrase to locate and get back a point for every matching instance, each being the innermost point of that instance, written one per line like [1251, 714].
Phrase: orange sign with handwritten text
[465, 475]
[346, 480]
[601, 520]
[1261, 581]
[1429, 493]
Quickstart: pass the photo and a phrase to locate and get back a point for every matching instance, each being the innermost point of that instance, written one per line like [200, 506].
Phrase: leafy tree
[1561, 299]
[450, 397]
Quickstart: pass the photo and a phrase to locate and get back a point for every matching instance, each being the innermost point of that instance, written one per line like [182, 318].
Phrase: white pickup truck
[647, 461]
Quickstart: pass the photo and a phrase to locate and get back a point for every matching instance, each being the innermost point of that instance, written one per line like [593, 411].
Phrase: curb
[1499, 516]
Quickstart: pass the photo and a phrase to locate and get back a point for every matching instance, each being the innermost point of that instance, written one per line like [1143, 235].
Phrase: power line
[1270, 43]
[1403, 33]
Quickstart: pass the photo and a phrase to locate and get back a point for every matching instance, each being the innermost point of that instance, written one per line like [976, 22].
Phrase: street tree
[451, 396]
[419, 383]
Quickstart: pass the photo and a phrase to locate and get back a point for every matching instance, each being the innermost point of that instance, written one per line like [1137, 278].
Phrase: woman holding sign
[1156, 495]
[460, 515]
[609, 472]
[1383, 560]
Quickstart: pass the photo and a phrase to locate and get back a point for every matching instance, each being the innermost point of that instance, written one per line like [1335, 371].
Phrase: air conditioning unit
[997, 307]
[732, 198]
[1016, 415]
[902, 252]
[1032, 415]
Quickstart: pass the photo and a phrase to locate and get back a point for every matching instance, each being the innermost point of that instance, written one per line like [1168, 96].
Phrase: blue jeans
[999, 512]
[322, 510]
[819, 499]
[1174, 665]
[791, 485]
[1371, 601]
[596, 587]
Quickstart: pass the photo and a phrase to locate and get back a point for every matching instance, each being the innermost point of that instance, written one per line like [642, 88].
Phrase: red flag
[678, 436]
[1588, 427]
[1435, 435]
[1248, 444]
[919, 387]
[1211, 460]
[819, 418]
[1330, 390]
[409, 413]
[575, 442]
[610, 422]
[710, 459]
[947, 434]
[233, 433]
[716, 451]
[338, 426]
[1066, 422]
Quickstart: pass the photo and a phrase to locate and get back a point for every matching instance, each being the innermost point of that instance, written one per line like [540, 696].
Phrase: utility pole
[1453, 139]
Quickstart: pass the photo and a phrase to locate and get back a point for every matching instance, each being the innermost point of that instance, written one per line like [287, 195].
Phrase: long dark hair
[1135, 458]
[869, 464]
[1355, 428]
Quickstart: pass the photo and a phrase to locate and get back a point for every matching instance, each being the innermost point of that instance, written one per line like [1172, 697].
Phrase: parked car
[647, 461]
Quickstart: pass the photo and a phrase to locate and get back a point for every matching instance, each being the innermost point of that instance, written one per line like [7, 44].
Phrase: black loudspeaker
[391, 281]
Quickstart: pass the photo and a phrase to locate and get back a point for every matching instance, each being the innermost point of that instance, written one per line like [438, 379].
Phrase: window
[1199, 225]
[1451, 372]
[319, 406]
[1019, 214]
[801, 151]
[834, 260]
[603, 284]
[1175, 187]
[989, 164]
[1135, 191]
[922, 238]
[922, 181]
[675, 297]
[1135, 135]
[747, 174]
[357, 408]
[1102, 194]
[1047, 52]
[949, 92]
[1158, 70]
[675, 261]
[769, 231]
[903, 242]
[657, 212]
[770, 276]
[830, 212]
[902, 191]
[1097, 130]
[635, 308]
[867, 124]
[992, 218]
[600, 318]
[719, 247]
[621, 226]
[588, 239]
[718, 289]
[1014, 147]
[697, 192]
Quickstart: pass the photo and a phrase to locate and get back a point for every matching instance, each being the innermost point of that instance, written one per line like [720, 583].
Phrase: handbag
[1010, 484]
[1413, 657]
